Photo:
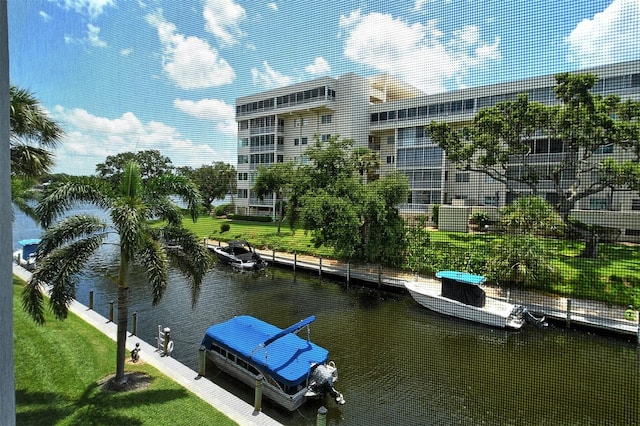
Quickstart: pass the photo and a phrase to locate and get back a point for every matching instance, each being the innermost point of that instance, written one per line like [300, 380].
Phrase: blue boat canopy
[276, 352]
[29, 247]
[461, 277]
[32, 241]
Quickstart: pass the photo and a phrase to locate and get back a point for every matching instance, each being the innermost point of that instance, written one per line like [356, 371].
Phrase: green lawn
[614, 277]
[58, 368]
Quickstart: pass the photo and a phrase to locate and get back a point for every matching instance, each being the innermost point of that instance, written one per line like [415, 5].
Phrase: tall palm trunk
[123, 313]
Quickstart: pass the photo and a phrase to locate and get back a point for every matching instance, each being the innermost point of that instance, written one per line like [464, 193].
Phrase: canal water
[399, 363]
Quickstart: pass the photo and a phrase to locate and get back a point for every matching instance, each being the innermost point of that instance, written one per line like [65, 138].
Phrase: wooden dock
[580, 313]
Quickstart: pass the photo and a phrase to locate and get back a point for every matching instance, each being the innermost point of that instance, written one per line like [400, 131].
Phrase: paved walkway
[225, 402]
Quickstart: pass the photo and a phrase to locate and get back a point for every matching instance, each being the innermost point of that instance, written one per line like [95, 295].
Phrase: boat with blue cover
[292, 369]
[460, 294]
[26, 255]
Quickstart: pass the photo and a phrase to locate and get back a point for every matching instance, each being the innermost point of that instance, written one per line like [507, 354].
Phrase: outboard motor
[531, 319]
[323, 376]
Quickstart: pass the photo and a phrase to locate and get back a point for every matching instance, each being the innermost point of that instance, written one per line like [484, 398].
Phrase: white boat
[26, 255]
[291, 369]
[240, 255]
[459, 294]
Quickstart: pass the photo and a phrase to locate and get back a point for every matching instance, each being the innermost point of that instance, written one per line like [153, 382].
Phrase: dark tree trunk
[123, 313]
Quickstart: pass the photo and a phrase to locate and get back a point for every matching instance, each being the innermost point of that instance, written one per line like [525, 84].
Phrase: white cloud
[89, 139]
[420, 54]
[92, 8]
[190, 61]
[269, 78]
[273, 6]
[612, 35]
[213, 110]
[319, 66]
[222, 20]
[45, 17]
[93, 36]
[126, 51]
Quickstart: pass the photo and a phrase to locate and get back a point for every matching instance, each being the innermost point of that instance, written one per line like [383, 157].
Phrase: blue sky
[128, 75]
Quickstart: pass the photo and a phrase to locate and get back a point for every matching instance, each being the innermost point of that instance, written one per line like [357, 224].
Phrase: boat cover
[287, 359]
[29, 247]
[463, 287]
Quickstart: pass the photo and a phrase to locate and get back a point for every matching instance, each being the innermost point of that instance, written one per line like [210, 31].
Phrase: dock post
[273, 256]
[295, 260]
[134, 324]
[321, 418]
[379, 276]
[568, 313]
[91, 300]
[257, 405]
[348, 273]
[111, 311]
[320, 267]
[202, 361]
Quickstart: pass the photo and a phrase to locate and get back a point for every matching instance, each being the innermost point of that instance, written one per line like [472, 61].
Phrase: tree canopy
[504, 141]
[359, 220]
[151, 162]
[214, 181]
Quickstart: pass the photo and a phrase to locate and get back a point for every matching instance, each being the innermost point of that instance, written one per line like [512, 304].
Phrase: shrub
[224, 227]
[223, 209]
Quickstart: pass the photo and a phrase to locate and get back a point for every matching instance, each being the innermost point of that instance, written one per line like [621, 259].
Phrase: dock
[582, 313]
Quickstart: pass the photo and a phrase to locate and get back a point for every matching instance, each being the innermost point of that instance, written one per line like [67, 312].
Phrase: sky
[132, 75]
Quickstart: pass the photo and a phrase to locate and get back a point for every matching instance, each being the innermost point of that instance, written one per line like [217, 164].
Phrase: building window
[325, 138]
[391, 140]
[598, 203]
[635, 204]
[462, 177]
[391, 159]
[491, 201]
[280, 158]
[243, 193]
[607, 149]
[243, 159]
[325, 119]
[296, 141]
[304, 141]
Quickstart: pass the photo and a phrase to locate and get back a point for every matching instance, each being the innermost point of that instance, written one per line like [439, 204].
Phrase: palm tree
[67, 244]
[32, 133]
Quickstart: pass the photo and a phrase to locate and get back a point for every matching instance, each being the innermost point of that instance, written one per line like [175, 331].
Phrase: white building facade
[389, 117]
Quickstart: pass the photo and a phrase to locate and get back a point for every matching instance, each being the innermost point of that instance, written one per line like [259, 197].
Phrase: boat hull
[290, 402]
[495, 313]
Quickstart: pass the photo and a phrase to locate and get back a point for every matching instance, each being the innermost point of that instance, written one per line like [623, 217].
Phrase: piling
[91, 300]
[568, 313]
[320, 267]
[202, 361]
[257, 406]
[295, 260]
[134, 324]
[111, 311]
[321, 419]
[348, 273]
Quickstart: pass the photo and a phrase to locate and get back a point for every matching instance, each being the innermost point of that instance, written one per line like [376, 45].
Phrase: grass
[58, 369]
[614, 277]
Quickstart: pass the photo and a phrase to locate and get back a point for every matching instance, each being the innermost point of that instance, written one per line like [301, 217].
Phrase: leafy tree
[151, 162]
[68, 243]
[366, 161]
[531, 215]
[277, 179]
[214, 181]
[500, 143]
[360, 220]
[33, 136]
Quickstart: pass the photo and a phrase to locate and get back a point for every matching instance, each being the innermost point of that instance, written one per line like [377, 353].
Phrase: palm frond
[58, 269]
[179, 186]
[76, 190]
[69, 229]
[165, 209]
[154, 260]
[33, 300]
[29, 121]
[189, 256]
[128, 217]
[30, 161]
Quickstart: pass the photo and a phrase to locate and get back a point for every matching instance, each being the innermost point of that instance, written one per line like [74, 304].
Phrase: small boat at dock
[239, 254]
[26, 255]
[292, 369]
[460, 294]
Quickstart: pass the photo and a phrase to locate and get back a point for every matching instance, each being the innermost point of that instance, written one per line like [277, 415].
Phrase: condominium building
[389, 117]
